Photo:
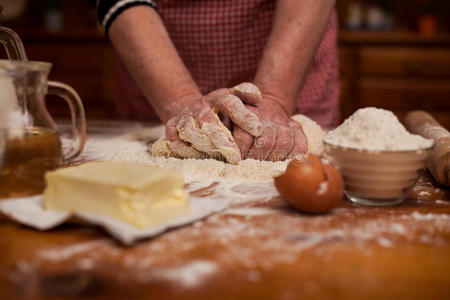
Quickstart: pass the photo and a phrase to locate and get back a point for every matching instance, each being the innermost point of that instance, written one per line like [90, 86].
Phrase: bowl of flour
[377, 156]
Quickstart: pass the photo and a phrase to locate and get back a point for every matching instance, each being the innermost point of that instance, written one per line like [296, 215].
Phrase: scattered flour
[248, 170]
[190, 274]
[424, 193]
[250, 211]
[442, 202]
[70, 251]
[419, 216]
[121, 148]
[238, 193]
[262, 242]
[376, 130]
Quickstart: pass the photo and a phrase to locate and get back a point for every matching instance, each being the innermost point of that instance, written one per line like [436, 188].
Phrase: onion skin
[300, 184]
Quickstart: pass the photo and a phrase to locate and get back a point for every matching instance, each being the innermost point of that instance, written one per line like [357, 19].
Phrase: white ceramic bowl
[377, 178]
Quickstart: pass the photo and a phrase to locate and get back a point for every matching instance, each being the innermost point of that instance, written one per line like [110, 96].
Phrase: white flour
[430, 216]
[191, 274]
[121, 148]
[248, 170]
[261, 239]
[251, 211]
[71, 251]
[376, 130]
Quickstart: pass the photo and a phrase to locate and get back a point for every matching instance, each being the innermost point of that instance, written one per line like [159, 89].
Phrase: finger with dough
[247, 92]
[176, 145]
[190, 132]
[215, 96]
[233, 107]
[161, 148]
[219, 135]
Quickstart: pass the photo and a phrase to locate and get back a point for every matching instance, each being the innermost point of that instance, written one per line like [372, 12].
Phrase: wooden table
[256, 250]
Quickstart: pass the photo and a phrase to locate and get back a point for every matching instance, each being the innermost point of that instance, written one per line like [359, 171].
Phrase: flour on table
[271, 238]
[122, 148]
[248, 170]
[251, 211]
[190, 274]
[376, 130]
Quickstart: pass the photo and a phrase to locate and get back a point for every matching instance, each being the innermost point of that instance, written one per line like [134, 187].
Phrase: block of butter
[140, 195]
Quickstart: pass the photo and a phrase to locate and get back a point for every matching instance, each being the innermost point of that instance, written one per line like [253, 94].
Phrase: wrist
[278, 101]
[173, 108]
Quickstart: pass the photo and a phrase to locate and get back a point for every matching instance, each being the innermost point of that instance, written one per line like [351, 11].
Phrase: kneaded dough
[161, 148]
[314, 133]
[312, 130]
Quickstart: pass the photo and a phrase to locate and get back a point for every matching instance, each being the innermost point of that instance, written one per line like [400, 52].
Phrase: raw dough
[313, 132]
[161, 148]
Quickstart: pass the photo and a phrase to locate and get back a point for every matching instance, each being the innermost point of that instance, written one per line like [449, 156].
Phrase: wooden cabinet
[399, 72]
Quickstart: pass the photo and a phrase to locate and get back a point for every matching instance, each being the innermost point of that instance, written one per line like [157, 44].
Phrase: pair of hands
[261, 129]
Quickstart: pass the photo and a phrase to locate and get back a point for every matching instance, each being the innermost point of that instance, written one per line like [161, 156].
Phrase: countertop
[257, 249]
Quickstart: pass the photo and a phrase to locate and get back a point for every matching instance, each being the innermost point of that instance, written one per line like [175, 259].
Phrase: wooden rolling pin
[422, 123]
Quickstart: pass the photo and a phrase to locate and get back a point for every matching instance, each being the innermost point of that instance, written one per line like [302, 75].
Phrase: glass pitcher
[33, 145]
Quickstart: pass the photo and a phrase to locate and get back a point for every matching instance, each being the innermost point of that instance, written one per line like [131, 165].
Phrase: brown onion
[310, 185]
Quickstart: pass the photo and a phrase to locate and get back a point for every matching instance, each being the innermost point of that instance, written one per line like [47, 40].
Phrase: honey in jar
[28, 155]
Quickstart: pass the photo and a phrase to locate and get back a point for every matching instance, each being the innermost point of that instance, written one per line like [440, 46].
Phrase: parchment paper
[30, 211]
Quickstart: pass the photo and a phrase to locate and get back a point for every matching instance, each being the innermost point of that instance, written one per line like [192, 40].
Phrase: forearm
[296, 34]
[142, 42]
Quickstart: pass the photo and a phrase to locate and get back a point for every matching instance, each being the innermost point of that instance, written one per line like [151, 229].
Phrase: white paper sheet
[30, 211]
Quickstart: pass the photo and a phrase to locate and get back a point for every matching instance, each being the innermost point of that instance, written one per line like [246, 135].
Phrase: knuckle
[263, 142]
[285, 143]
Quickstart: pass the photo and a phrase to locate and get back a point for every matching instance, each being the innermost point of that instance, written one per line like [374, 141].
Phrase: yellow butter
[140, 195]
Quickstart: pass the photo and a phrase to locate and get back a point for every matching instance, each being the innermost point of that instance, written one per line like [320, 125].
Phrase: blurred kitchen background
[394, 54]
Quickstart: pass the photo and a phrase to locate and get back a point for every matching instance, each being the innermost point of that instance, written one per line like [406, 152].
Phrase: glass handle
[13, 44]
[77, 114]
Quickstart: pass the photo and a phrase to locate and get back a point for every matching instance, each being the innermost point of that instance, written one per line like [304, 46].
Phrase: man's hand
[195, 130]
[297, 30]
[281, 138]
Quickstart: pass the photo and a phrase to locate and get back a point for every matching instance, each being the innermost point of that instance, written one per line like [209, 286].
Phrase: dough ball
[160, 148]
[313, 132]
